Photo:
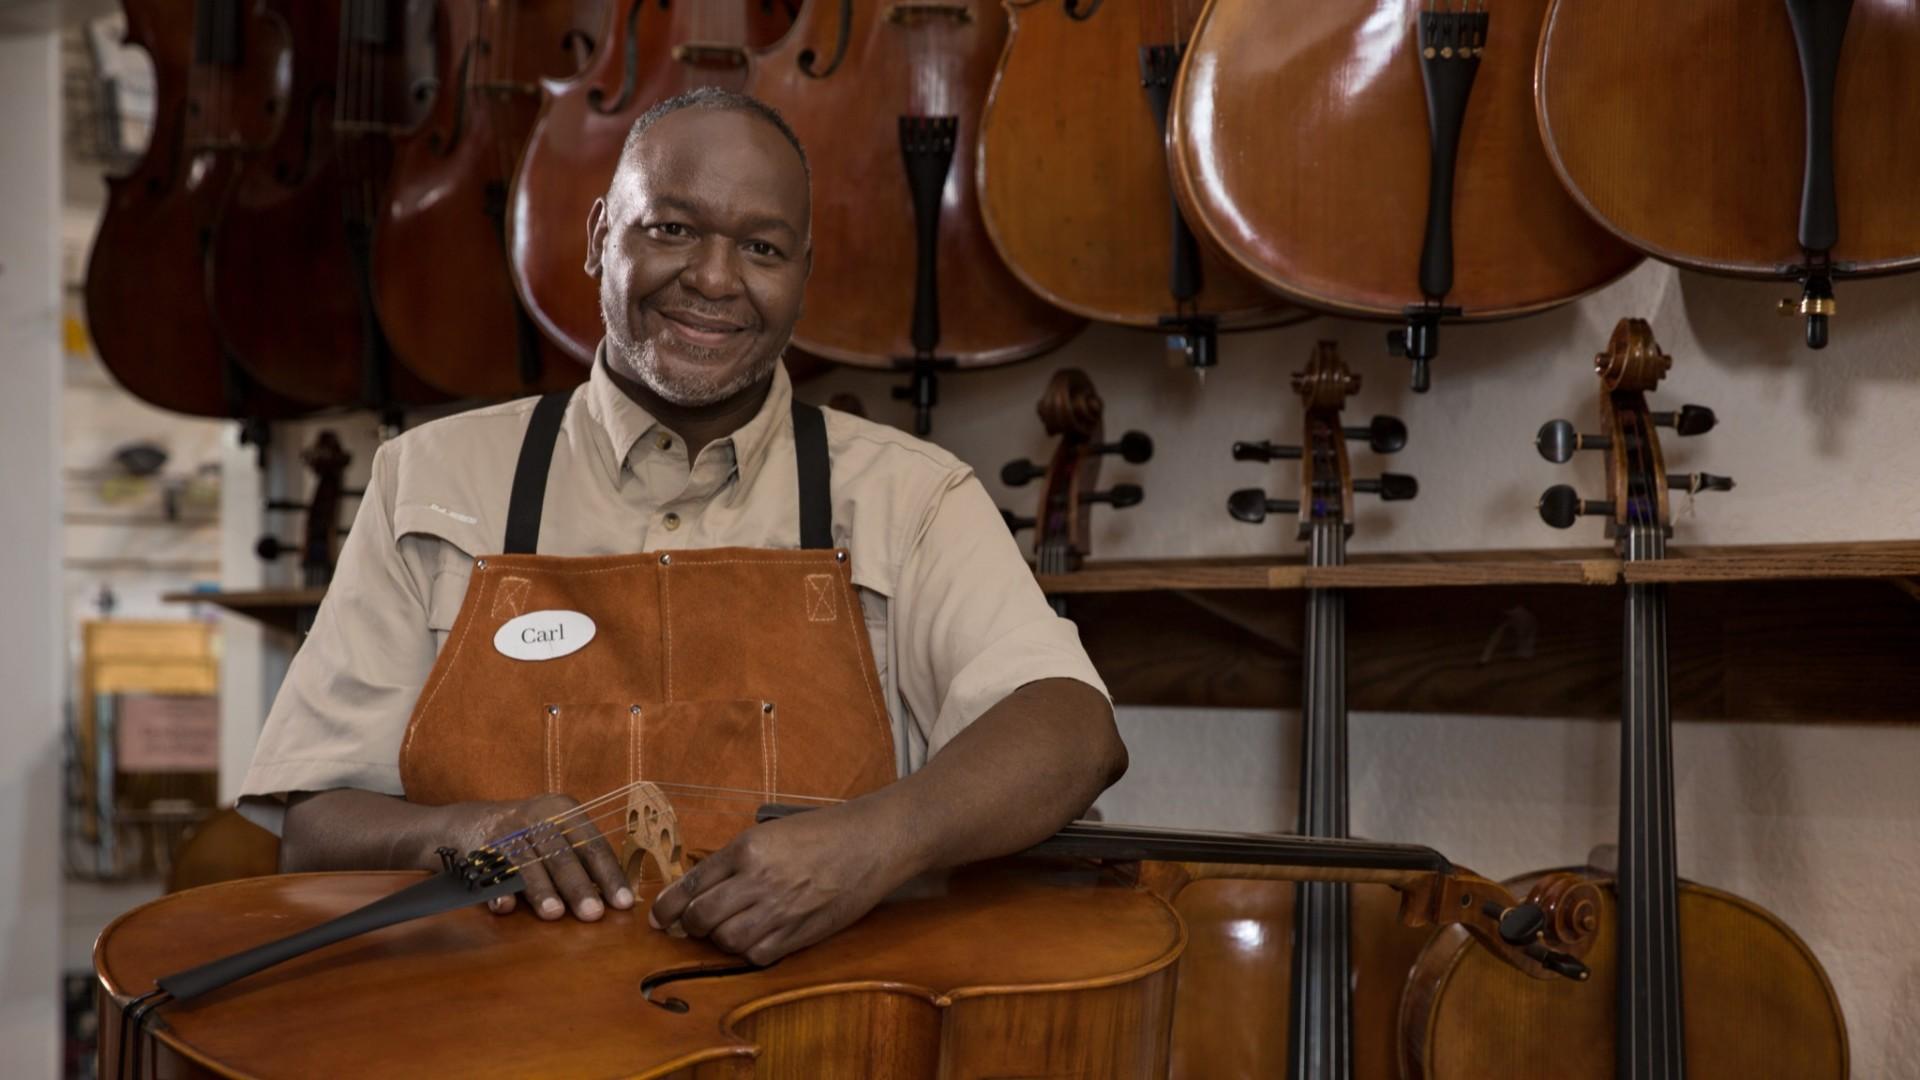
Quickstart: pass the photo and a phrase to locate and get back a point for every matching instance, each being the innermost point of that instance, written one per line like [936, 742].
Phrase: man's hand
[572, 865]
[783, 885]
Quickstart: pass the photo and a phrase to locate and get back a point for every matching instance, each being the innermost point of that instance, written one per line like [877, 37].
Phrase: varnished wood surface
[278, 608]
[1073, 169]
[994, 972]
[859, 305]
[1327, 203]
[1698, 158]
[1756, 1000]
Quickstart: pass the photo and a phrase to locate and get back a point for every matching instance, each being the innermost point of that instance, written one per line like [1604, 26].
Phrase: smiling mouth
[698, 330]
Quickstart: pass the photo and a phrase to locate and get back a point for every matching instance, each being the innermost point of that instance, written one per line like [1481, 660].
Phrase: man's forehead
[716, 157]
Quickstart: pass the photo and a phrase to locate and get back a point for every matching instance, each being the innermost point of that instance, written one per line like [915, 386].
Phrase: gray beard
[641, 360]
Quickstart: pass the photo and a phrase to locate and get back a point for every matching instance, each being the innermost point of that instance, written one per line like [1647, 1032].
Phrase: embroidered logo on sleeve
[820, 605]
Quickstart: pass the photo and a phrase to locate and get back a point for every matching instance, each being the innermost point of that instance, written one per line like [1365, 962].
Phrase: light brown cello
[645, 52]
[1687, 980]
[886, 95]
[1073, 174]
[441, 283]
[1768, 140]
[1044, 966]
[1379, 158]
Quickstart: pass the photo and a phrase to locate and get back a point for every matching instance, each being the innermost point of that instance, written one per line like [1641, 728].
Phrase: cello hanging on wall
[1687, 980]
[886, 97]
[1380, 159]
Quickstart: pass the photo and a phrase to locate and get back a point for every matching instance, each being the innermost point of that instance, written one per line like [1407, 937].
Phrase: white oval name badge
[543, 635]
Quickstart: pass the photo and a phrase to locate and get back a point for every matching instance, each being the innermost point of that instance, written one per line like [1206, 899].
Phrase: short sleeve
[343, 707]
[970, 623]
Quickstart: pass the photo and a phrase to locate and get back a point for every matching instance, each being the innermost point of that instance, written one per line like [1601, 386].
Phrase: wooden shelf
[278, 608]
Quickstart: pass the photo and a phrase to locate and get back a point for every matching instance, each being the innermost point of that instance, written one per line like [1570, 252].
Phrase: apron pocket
[717, 761]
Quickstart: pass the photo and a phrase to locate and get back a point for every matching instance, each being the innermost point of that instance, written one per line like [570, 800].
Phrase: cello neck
[1651, 1034]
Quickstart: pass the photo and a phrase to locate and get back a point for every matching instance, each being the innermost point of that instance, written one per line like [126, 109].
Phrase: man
[439, 699]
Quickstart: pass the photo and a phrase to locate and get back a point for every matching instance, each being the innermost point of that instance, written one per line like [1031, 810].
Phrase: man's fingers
[604, 867]
[539, 891]
[673, 900]
[781, 940]
[716, 905]
[570, 879]
[501, 905]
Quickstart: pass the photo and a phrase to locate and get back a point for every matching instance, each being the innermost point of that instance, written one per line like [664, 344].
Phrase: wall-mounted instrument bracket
[922, 387]
[1815, 303]
[1194, 338]
[1419, 339]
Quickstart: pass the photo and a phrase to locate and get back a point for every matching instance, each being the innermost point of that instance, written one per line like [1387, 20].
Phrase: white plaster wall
[29, 556]
[1816, 822]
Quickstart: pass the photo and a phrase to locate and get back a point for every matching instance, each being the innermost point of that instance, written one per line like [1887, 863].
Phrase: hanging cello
[289, 270]
[1379, 158]
[646, 52]
[1073, 174]
[1314, 996]
[1085, 951]
[219, 98]
[441, 284]
[886, 96]
[1687, 980]
[1692, 160]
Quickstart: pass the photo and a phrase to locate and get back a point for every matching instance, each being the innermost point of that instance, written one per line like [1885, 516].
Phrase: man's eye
[668, 228]
[762, 248]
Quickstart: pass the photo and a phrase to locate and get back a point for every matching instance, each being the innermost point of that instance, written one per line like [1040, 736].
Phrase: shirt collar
[626, 424]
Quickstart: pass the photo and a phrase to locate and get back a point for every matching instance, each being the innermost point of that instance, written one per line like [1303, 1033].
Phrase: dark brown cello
[1073, 174]
[219, 98]
[646, 51]
[441, 283]
[1379, 158]
[333, 968]
[1768, 140]
[886, 96]
[289, 269]
[1687, 980]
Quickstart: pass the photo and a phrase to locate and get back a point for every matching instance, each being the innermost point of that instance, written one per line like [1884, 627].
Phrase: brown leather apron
[740, 669]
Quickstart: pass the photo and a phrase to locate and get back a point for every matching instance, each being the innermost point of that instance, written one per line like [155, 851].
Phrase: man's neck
[696, 425]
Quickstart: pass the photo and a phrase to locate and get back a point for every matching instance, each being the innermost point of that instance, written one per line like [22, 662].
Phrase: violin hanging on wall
[1073, 176]
[1687, 980]
[1404, 180]
[886, 97]
[1692, 159]
[647, 51]
[220, 96]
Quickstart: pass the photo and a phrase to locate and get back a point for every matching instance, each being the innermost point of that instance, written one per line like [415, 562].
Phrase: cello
[288, 268]
[1697, 169]
[1079, 106]
[1670, 953]
[886, 96]
[218, 99]
[441, 284]
[646, 52]
[1072, 411]
[1084, 955]
[1404, 180]
[1319, 1002]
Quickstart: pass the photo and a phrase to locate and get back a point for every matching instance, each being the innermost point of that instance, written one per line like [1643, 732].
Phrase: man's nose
[713, 271]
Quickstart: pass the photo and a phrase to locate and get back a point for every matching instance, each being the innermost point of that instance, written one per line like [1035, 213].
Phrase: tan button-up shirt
[951, 607]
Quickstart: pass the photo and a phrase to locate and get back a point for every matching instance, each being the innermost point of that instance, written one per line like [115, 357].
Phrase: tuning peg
[1015, 522]
[1120, 496]
[1391, 487]
[1560, 505]
[1696, 482]
[1558, 440]
[1252, 506]
[1690, 420]
[1134, 447]
[1383, 434]
[1264, 451]
[1018, 473]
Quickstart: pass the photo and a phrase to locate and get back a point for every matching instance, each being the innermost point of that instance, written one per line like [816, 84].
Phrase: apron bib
[745, 670]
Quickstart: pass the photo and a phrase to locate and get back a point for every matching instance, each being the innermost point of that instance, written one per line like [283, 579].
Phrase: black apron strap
[530, 475]
[816, 476]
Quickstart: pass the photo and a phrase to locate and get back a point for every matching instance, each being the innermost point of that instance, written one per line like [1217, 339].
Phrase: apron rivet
[666, 560]
[479, 564]
[553, 710]
[634, 709]
[766, 706]
[839, 556]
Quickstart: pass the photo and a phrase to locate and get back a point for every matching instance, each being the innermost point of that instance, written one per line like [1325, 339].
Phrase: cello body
[146, 298]
[1757, 1003]
[903, 64]
[642, 55]
[442, 287]
[1329, 207]
[1073, 177]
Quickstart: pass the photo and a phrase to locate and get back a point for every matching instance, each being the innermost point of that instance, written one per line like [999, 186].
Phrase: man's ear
[596, 236]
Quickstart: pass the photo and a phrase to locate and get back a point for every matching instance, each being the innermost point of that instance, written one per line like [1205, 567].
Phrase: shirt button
[663, 440]
[672, 521]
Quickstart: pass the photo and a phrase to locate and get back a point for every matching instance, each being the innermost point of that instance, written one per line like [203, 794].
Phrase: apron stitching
[858, 626]
[553, 749]
[461, 629]
[767, 751]
[635, 718]
[793, 558]
[666, 630]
